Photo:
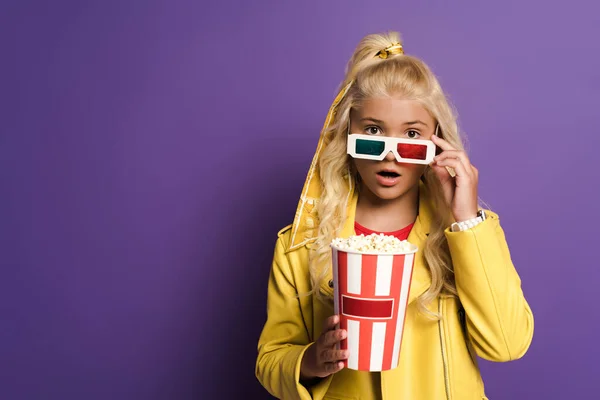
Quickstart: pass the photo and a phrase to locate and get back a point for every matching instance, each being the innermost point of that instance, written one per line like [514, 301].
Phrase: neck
[387, 215]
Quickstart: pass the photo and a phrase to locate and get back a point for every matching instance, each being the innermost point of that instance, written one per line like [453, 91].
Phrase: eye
[412, 134]
[373, 130]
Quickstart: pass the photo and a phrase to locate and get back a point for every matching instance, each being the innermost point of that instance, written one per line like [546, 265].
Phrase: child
[465, 294]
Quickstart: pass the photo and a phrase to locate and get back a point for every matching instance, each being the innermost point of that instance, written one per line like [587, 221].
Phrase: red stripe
[390, 331]
[369, 277]
[367, 308]
[343, 288]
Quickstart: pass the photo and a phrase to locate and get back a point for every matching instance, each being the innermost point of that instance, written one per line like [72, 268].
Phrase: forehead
[393, 111]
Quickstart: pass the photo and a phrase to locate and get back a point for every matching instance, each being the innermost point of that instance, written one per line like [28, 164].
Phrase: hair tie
[396, 48]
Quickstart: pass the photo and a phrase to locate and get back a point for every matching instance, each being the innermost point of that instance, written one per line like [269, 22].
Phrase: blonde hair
[371, 76]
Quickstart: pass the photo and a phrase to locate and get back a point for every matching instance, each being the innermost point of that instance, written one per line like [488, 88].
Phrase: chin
[390, 196]
[389, 193]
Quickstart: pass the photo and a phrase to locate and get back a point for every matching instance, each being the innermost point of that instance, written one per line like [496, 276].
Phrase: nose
[390, 156]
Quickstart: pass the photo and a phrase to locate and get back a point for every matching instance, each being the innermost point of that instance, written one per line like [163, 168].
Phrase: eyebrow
[377, 121]
[417, 122]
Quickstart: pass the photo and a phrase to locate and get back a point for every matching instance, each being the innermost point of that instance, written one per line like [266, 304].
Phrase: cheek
[413, 169]
[361, 165]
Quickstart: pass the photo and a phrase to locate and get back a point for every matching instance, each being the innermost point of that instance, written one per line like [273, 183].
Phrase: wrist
[465, 215]
[307, 360]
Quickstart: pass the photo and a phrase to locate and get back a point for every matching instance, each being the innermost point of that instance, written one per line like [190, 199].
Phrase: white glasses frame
[391, 144]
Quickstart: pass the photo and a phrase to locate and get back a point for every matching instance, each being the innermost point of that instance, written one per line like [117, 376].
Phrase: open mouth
[388, 174]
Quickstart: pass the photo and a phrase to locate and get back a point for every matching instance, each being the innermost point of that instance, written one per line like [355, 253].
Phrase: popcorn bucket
[370, 295]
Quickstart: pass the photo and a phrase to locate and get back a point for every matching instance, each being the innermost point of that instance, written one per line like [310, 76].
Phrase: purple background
[151, 150]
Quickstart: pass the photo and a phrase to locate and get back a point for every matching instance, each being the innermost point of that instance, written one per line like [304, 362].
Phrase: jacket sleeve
[284, 337]
[499, 320]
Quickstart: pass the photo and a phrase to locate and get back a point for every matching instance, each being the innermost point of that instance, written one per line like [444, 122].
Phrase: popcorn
[373, 243]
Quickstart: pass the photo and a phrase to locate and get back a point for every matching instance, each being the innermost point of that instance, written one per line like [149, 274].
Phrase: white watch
[468, 224]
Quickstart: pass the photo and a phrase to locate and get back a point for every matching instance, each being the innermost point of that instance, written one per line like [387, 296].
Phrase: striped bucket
[371, 293]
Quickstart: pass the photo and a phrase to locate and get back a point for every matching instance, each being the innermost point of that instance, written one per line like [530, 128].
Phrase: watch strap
[468, 224]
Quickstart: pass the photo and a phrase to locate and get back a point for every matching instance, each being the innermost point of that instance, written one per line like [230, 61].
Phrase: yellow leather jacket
[490, 319]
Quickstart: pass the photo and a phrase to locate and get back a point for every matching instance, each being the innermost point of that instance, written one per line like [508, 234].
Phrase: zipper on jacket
[444, 353]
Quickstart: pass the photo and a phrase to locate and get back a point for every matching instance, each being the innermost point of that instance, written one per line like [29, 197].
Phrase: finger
[334, 367]
[461, 155]
[330, 323]
[332, 337]
[454, 154]
[441, 143]
[457, 165]
[443, 173]
[328, 355]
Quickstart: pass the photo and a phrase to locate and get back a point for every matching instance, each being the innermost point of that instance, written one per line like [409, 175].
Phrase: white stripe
[377, 345]
[353, 336]
[408, 262]
[354, 272]
[383, 281]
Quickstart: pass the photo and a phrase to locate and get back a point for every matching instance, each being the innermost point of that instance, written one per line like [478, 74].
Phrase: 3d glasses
[412, 151]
